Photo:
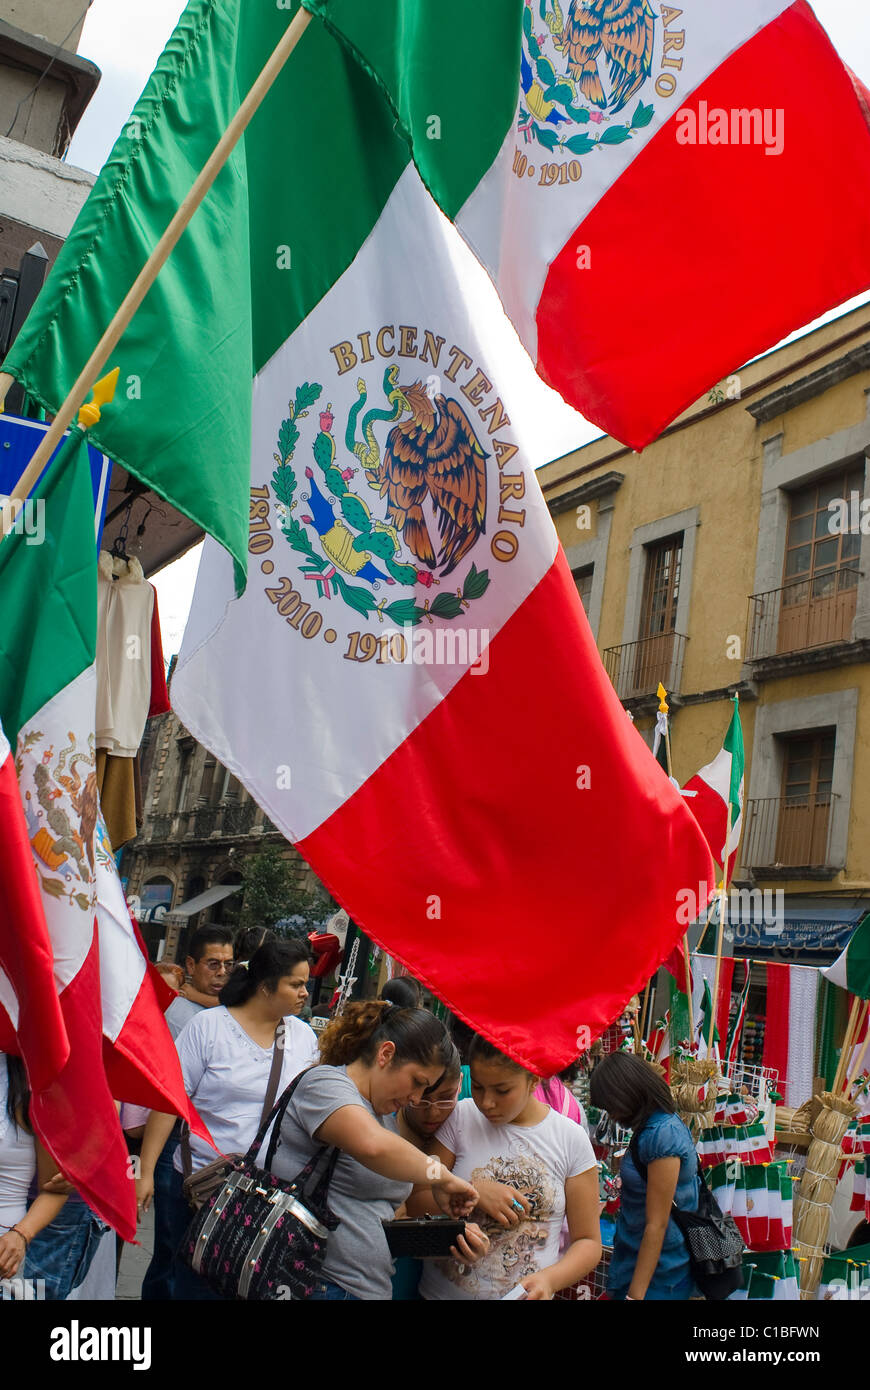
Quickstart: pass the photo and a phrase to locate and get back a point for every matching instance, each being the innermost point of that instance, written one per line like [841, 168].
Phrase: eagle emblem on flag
[583, 69]
[372, 516]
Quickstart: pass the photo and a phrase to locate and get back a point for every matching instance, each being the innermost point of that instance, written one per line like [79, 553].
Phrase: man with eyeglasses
[208, 966]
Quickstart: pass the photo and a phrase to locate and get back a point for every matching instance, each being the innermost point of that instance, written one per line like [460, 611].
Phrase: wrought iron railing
[637, 668]
[238, 817]
[804, 614]
[784, 832]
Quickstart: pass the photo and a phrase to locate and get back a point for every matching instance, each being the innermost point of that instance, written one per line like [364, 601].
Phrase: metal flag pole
[149, 272]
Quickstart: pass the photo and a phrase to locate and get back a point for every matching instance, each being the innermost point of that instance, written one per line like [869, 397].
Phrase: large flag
[48, 707]
[409, 686]
[717, 795]
[585, 148]
[851, 969]
[253, 262]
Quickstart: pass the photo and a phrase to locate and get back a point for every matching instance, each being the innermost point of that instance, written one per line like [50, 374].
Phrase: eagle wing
[457, 483]
[404, 484]
[582, 43]
[628, 38]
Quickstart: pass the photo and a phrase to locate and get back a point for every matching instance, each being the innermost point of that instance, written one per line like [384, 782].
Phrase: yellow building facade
[733, 555]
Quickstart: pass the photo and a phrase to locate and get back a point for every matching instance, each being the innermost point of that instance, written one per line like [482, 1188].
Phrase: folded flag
[48, 706]
[851, 969]
[717, 803]
[573, 133]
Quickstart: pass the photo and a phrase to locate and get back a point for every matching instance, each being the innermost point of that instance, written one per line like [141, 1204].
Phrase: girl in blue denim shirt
[650, 1256]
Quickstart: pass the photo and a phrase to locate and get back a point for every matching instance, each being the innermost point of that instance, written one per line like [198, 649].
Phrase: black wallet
[425, 1237]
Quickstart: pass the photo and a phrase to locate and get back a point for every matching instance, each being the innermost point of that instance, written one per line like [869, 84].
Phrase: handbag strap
[268, 1100]
[275, 1072]
[300, 1182]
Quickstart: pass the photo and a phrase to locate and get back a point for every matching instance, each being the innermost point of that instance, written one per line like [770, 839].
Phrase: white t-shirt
[535, 1159]
[226, 1074]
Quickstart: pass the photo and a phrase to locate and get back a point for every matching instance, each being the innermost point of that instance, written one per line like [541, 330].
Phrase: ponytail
[266, 967]
[418, 1036]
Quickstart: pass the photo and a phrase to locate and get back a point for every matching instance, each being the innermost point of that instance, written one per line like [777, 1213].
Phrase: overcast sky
[125, 38]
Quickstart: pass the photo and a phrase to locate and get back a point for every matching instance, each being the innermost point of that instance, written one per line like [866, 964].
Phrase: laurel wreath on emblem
[554, 99]
[356, 542]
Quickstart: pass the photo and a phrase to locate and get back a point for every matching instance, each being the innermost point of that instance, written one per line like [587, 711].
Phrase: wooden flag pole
[723, 909]
[859, 1060]
[155, 263]
[664, 706]
[851, 1029]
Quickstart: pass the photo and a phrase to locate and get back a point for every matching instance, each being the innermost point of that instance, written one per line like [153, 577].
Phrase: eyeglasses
[432, 1104]
[216, 966]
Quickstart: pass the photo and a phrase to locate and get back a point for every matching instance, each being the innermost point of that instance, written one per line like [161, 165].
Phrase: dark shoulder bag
[713, 1241]
[259, 1236]
[198, 1186]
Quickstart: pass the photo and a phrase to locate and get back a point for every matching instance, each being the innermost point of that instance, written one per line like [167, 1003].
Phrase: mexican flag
[851, 969]
[717, 799]
[585, 149]
[103, 1020]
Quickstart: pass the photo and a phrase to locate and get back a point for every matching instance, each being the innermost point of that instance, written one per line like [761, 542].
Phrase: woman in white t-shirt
[226, 1057]
[508, 1144]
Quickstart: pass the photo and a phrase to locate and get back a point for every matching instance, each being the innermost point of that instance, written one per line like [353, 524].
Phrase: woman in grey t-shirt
[376, 1059]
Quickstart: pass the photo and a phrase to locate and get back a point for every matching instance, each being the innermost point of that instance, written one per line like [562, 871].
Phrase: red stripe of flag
[703, 256]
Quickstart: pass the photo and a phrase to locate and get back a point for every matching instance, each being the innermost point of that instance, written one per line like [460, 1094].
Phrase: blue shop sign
[19, 440]
[762, 924]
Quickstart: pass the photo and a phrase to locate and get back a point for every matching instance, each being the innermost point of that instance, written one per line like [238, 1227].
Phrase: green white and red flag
[851, 969]
[394, 684]
[586, 148]
[102, 1036]
[715, 796]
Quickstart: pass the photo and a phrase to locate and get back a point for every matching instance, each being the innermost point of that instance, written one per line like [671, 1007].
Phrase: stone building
[199, 826]
[734, 555]
[45, 87]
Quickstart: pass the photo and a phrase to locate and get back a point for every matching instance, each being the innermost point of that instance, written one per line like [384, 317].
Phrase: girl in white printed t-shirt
[533, 1167]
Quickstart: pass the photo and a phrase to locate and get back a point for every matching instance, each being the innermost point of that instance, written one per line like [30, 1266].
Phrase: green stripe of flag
[451, 72]
[48, 635]
[284, 220]
[733, 744]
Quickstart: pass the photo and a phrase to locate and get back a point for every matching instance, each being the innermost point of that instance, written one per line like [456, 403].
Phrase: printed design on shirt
[516, 1252]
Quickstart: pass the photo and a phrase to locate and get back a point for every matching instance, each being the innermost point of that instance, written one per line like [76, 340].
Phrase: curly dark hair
[357, 1034]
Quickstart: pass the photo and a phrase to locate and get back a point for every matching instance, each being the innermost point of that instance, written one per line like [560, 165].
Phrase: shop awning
[767, 924]
[206, 899]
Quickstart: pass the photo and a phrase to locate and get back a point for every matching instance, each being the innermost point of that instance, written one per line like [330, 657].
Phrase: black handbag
[260, 1237]
[713, 1241]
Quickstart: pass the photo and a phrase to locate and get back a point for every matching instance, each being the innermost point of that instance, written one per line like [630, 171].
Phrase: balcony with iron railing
[804, 616]
[789, 836]
[636, 668]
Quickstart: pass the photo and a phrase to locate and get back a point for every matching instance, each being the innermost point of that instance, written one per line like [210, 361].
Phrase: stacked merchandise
[735, 1134]
[857, 1141]
[753, 1040]
[694, 1096]
[818, 1184]
[846, 1275]
[759, 1199]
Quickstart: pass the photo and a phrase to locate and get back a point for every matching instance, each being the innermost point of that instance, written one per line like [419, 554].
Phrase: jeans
[325, 1290]
[184, 1283]
[157, 1286]
[61, 1254]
